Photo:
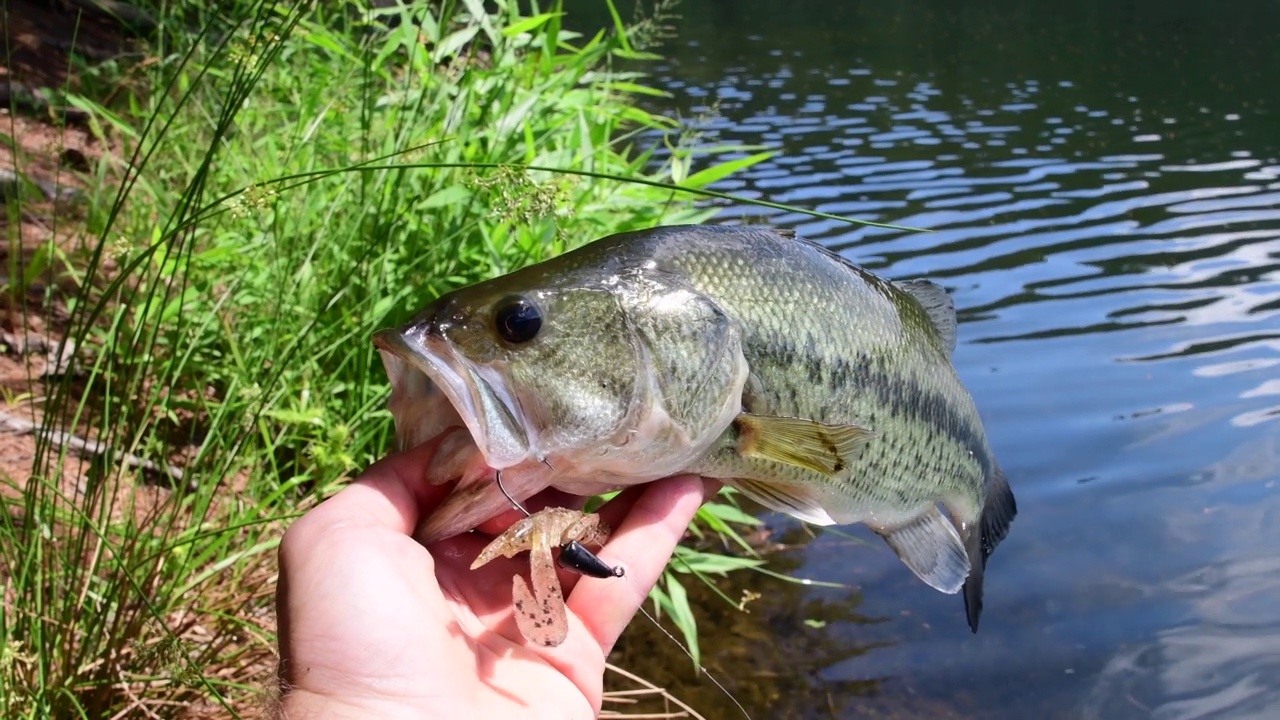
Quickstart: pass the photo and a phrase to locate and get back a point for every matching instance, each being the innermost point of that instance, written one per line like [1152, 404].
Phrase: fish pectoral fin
[931, 547]
[803, 502]
[938, 305]
[827, 449]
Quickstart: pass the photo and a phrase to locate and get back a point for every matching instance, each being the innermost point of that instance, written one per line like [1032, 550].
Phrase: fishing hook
[521, 508]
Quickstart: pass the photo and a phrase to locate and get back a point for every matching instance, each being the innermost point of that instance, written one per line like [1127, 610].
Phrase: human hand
[372, 624]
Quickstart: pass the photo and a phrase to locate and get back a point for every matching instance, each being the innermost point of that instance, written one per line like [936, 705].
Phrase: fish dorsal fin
[803, 502]
[826, 449]
[931, 547]
[939, 306]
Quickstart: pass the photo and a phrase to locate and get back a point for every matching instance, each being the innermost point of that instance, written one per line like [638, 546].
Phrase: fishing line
[706, 672]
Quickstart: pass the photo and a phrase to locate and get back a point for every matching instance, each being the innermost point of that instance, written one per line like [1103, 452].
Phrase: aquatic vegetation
[280, 180]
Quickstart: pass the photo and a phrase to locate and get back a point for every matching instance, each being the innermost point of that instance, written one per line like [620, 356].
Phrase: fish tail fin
[981, 539]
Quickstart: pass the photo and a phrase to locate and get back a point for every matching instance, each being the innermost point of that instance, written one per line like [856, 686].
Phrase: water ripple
[1103, 193]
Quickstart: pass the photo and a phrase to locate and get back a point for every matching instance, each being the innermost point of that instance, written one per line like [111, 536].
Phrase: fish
[741, 353]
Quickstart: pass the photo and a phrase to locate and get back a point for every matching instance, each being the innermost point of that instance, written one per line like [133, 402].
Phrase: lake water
[1103, 182]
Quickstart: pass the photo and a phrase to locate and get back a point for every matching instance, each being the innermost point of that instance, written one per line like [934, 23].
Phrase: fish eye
[517, 320]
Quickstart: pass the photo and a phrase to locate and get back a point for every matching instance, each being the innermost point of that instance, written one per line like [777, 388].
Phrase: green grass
[288, 180]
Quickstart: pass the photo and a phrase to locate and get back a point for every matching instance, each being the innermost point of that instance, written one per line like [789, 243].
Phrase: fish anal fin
[827, 449]
[799, 501]
[930, 546]
[938, 305]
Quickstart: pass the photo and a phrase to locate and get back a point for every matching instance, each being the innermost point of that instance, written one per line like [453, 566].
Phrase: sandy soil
[46, 154]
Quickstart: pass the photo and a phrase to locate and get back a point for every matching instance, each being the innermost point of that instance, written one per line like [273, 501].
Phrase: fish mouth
[434, 388]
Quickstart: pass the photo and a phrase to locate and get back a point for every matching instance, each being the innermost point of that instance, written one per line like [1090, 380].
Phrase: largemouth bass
[740, 353]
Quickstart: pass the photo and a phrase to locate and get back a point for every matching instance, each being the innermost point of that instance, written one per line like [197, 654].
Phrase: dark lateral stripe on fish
[907, 398]
[900, 396]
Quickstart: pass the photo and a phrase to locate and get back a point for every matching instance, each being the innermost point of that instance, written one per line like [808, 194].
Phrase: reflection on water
[1224, 661]
[1103, 184]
